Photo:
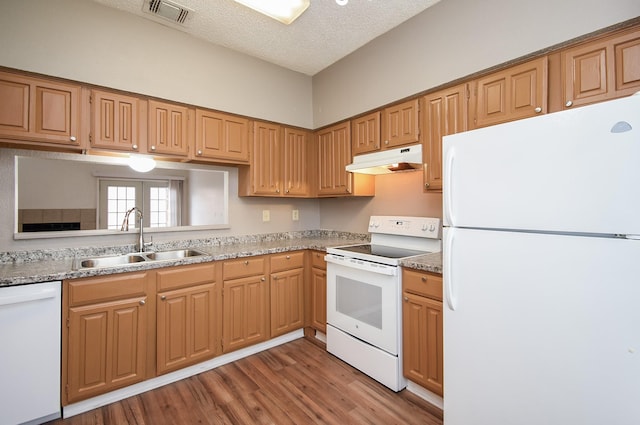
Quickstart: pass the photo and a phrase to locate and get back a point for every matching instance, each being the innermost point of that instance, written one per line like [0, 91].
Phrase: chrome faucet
[125, 227]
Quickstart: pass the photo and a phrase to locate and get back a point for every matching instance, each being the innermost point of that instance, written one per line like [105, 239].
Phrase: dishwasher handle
[35, 295]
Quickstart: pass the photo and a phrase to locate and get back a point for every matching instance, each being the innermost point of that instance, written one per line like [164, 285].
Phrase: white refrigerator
[541, 267]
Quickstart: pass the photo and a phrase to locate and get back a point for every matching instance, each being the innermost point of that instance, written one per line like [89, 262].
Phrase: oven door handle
[353, 263]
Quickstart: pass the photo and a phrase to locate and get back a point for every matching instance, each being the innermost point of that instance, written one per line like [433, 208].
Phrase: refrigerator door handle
[448, 192]
[448, 269]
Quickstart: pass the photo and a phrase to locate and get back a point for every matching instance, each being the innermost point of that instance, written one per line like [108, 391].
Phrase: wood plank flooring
[295, 383]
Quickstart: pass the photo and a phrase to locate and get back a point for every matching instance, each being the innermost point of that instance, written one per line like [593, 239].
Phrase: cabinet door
[444, 112]
[287, 301]
[296, 163]
[601, 70]
[334, 154]
[514, 93]
[400, 124]
[245, 303]
[168, 128]
[365, 133]
[221, 136]
[114, 121]
[107, 347]
[39, 110]
[422, 341]
[319, 299]
[185, 327]
[265, 161]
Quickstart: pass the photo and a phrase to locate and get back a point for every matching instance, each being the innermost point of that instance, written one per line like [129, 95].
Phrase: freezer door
[540, 329]
[571, 171]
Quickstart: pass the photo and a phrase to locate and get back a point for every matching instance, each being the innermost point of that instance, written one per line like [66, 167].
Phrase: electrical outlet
[266, 215]
[295, 215]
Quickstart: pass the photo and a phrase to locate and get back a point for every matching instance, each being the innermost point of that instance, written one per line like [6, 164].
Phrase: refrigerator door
[540, 329]
[571, 171]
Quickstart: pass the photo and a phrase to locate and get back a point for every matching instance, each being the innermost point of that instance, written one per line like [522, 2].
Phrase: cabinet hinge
[90, 98]
[90, 138]
[67, 322]
[66, 389]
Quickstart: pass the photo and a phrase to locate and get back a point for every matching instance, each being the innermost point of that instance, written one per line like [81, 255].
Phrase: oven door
[363, 300]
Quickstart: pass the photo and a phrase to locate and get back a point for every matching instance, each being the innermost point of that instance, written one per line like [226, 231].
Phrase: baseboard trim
[425, 394]
[150, 384]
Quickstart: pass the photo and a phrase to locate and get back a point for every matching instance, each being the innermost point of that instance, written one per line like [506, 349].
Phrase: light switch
[295, 215]
[266, 215]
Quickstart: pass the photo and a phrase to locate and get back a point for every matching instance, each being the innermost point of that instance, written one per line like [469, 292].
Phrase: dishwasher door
[30, 327]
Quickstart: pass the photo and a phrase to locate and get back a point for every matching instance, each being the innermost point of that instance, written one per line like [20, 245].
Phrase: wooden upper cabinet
[221, 137]
[365, 133]
[39, 110]
[511, 94]
[443, 112]
[115, 121]
[400, 124]
[265, 164]
[334, 154]
[169, 128]
[601, 70]
[295, 167]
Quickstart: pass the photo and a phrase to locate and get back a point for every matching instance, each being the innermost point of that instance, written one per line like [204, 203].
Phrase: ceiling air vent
[168, 10]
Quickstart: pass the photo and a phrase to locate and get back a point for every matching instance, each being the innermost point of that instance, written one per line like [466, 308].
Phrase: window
[159, 201]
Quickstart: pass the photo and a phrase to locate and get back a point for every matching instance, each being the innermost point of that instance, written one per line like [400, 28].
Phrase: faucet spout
[125, 227]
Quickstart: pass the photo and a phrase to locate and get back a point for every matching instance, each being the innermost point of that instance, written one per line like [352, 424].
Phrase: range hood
[408, 158]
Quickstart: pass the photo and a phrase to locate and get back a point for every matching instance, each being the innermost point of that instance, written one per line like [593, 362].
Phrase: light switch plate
[266, 215]
[295, 215]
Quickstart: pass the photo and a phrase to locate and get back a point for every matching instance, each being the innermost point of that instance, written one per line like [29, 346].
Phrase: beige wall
[450, 40]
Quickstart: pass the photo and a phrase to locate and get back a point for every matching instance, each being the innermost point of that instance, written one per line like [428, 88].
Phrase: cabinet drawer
[97, 289]
[287, 261]
[186, 276]
[421, 283]
[317, 260]
[249, 266]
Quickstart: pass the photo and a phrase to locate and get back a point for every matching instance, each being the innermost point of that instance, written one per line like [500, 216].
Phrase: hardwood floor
[295, 383]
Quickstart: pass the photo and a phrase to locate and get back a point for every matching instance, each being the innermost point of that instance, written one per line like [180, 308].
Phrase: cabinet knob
[386, 142]
[134, 147]
[142, 302]
[153, 147]
[538, 110]
[424, 279]
[406, 299]
[277, 190]
[246, 263]
[199, 152]
[288, 257]
[164, 297]
[72, 138]
[262, 279]
[286, 191]
[568, 104]
[426, 185]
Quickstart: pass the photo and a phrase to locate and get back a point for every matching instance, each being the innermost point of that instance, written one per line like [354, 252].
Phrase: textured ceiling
[322, 35]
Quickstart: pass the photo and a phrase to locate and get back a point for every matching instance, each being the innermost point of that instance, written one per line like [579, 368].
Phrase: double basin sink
[137, 257]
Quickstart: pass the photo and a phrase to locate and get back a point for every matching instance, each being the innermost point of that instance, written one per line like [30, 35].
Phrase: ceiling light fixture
[342, 2]
[141, 163]
[285, 11]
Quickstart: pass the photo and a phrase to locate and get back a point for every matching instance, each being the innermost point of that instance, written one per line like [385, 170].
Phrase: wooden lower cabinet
[188, 316]
[286, 292]
[422, 329]
[105, 337]
[245, 295]
[318, 291]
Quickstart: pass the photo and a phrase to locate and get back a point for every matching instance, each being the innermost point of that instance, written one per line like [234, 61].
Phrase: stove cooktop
[381, 251]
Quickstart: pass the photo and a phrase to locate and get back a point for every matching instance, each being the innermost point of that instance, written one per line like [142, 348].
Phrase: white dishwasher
[30, 317]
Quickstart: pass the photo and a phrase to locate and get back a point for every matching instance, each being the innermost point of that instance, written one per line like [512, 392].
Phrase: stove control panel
[425, 227]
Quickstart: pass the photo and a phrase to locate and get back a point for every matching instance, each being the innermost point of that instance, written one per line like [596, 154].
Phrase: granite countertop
[27, 267]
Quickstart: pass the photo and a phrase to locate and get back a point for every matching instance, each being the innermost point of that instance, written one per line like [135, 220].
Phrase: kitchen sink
[118, 260]
[174, 255]
[138, 257]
